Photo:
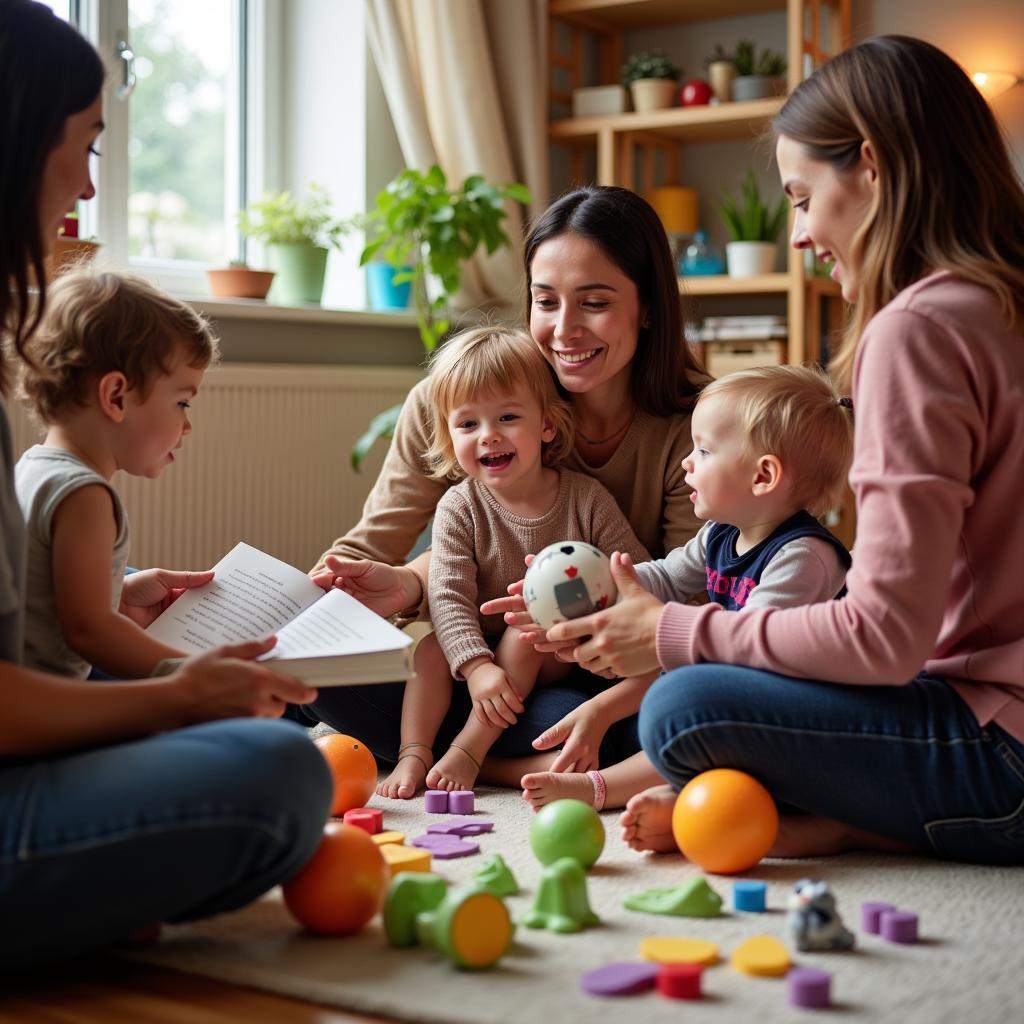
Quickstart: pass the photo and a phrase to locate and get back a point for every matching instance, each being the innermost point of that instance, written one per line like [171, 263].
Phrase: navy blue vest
[732, 577]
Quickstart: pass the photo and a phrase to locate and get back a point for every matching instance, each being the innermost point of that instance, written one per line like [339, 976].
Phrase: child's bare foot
[647, 820]
[540, 788]
[457, 769]
[409, 773]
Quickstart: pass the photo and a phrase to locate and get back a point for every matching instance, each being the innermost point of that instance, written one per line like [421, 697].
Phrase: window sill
[259, 309]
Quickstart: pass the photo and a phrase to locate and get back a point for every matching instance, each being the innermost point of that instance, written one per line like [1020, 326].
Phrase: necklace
[611, 437]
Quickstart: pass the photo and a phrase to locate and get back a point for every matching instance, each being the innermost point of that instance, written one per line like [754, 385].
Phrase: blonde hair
[794, 413]
[484, 360]
[947, 198]
[98, 323]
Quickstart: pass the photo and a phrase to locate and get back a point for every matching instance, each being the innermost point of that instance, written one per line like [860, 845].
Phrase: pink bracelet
[597, 779]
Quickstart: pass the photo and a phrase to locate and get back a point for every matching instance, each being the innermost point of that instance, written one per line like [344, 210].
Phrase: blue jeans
[372, 714]
[94, 845]
[910, 762]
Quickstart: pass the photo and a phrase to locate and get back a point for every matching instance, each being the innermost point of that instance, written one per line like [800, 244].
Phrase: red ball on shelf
[695, 93]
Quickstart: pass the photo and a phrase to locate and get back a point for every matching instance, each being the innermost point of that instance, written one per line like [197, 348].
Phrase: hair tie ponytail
[846, 402]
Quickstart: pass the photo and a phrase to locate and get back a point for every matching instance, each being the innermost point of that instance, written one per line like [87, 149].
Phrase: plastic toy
[496, 876]
[342, 885]
[813, 920]
[387, 838]
[561, 904]
[568, 580]
[405, 858]
[435, 801]
[693, 899]
[461, 801]
[899, 926]
[666, 949]
[679, 981]
[369, 819]
[469, 925]
[445, 847]
[353, 769]
[619, 979]
[761, 956]
[725, 821]
[809, 988]
[461, 827]
[871, 916]
[567, 828]
[749, 896]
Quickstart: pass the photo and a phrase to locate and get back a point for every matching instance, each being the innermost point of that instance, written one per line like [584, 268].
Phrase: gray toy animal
[813, 921]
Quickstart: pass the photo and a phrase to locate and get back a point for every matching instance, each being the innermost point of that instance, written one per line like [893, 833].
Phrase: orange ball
[353, 769]
[725, 821]
[342, 885]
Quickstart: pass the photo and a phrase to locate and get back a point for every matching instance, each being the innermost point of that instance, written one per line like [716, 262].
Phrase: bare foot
[407, 776]
[540, 788]
[647, 820]
[455, 770]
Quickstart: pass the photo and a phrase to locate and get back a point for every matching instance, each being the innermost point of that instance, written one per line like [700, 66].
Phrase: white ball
[566, 581]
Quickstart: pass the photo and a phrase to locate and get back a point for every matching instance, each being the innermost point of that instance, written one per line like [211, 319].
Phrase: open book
[325, 638]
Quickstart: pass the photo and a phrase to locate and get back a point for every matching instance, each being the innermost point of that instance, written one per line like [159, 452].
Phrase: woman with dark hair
[603, 306]
[894, 717]
[122, 805]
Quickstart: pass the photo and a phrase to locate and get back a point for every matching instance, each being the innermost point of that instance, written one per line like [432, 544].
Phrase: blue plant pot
[383, 293]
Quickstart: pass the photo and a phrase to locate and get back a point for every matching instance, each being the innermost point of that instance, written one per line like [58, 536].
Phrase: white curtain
[466, 82]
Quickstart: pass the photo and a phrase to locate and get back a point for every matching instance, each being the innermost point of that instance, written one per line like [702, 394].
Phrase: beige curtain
[466, 83]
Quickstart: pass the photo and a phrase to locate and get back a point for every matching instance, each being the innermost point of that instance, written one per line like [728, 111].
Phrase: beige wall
[988, 35]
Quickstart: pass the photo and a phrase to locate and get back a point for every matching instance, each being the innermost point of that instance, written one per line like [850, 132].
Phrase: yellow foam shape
[761, 956]
[385, 838]
[481, 929]
[664, 949]
[405, 858]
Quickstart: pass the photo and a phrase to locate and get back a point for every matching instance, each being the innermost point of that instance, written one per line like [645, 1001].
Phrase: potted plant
[721, 69]
[758, 75]
[754, 229]
[297, 235]
[238, 281]
[651, 78]
[425, 231]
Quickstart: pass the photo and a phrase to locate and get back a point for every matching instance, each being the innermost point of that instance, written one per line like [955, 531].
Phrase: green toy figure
[561, 904]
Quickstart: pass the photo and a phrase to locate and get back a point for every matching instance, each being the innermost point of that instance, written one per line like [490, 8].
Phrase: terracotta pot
[720, 74]
[68, 253]
[240, 282]
[652, 93]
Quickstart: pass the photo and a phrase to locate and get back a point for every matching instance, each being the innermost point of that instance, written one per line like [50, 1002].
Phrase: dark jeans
[907, 762]
[372, 714]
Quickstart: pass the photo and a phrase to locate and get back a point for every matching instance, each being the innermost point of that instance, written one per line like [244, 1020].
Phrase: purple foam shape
[870, 916]
[619, 979]
[443, 847]
[435, 801]
[809, 988]
[461, 801]
[899, 926]
[461, 827]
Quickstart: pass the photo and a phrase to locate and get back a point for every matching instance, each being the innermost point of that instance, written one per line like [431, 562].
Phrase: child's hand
[580, 734]
[494, 701]
[147, 593]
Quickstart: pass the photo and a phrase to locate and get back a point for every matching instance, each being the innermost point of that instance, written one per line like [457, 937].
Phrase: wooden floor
[108, 991]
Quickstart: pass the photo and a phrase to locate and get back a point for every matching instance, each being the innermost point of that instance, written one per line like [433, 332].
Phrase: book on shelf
[324, 637]
[778, 333]
[752, 320]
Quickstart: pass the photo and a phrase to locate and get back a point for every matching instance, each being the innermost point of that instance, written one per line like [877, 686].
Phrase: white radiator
[267, 462]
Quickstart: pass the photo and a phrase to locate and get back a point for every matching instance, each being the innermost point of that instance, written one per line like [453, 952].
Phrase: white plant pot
[599, 100]
[652, 94]
[748, 259]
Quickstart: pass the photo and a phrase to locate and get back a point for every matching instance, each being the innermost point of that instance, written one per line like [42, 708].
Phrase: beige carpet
[969, 965]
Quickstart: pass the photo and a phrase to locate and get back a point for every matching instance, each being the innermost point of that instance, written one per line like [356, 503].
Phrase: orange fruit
[725, 821]
[353, 769]
[342, 885]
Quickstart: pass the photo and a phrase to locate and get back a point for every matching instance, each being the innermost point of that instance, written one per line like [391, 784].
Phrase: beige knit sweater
[644, 476]
[479, 547]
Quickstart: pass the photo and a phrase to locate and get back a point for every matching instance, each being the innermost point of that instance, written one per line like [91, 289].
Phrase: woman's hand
[147, 593]
[580, 734]
[620, 640]
[384, 589]
[495, 702]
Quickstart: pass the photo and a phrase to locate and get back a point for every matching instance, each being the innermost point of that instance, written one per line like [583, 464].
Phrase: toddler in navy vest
[771, 450]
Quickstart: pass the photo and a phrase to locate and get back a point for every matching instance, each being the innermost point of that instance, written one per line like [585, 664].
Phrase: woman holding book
[603, 306]
[108, 789]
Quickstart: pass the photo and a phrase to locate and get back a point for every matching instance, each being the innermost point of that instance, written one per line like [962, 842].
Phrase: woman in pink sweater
[893, 718]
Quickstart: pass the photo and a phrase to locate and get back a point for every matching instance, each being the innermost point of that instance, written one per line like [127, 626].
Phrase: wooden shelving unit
[815, 30]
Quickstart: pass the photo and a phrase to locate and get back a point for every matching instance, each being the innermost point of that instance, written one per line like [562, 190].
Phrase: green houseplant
[426, 231]
[297, 234]
[651, 78]
[754, 228]
[758, 75]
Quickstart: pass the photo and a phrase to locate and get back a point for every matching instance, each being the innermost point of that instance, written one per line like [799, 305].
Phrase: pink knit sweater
[938, 571]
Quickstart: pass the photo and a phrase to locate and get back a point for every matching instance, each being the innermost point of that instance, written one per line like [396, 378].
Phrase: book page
[252, 595]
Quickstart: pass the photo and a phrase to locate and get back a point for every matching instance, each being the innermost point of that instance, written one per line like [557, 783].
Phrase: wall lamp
[994, 83]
